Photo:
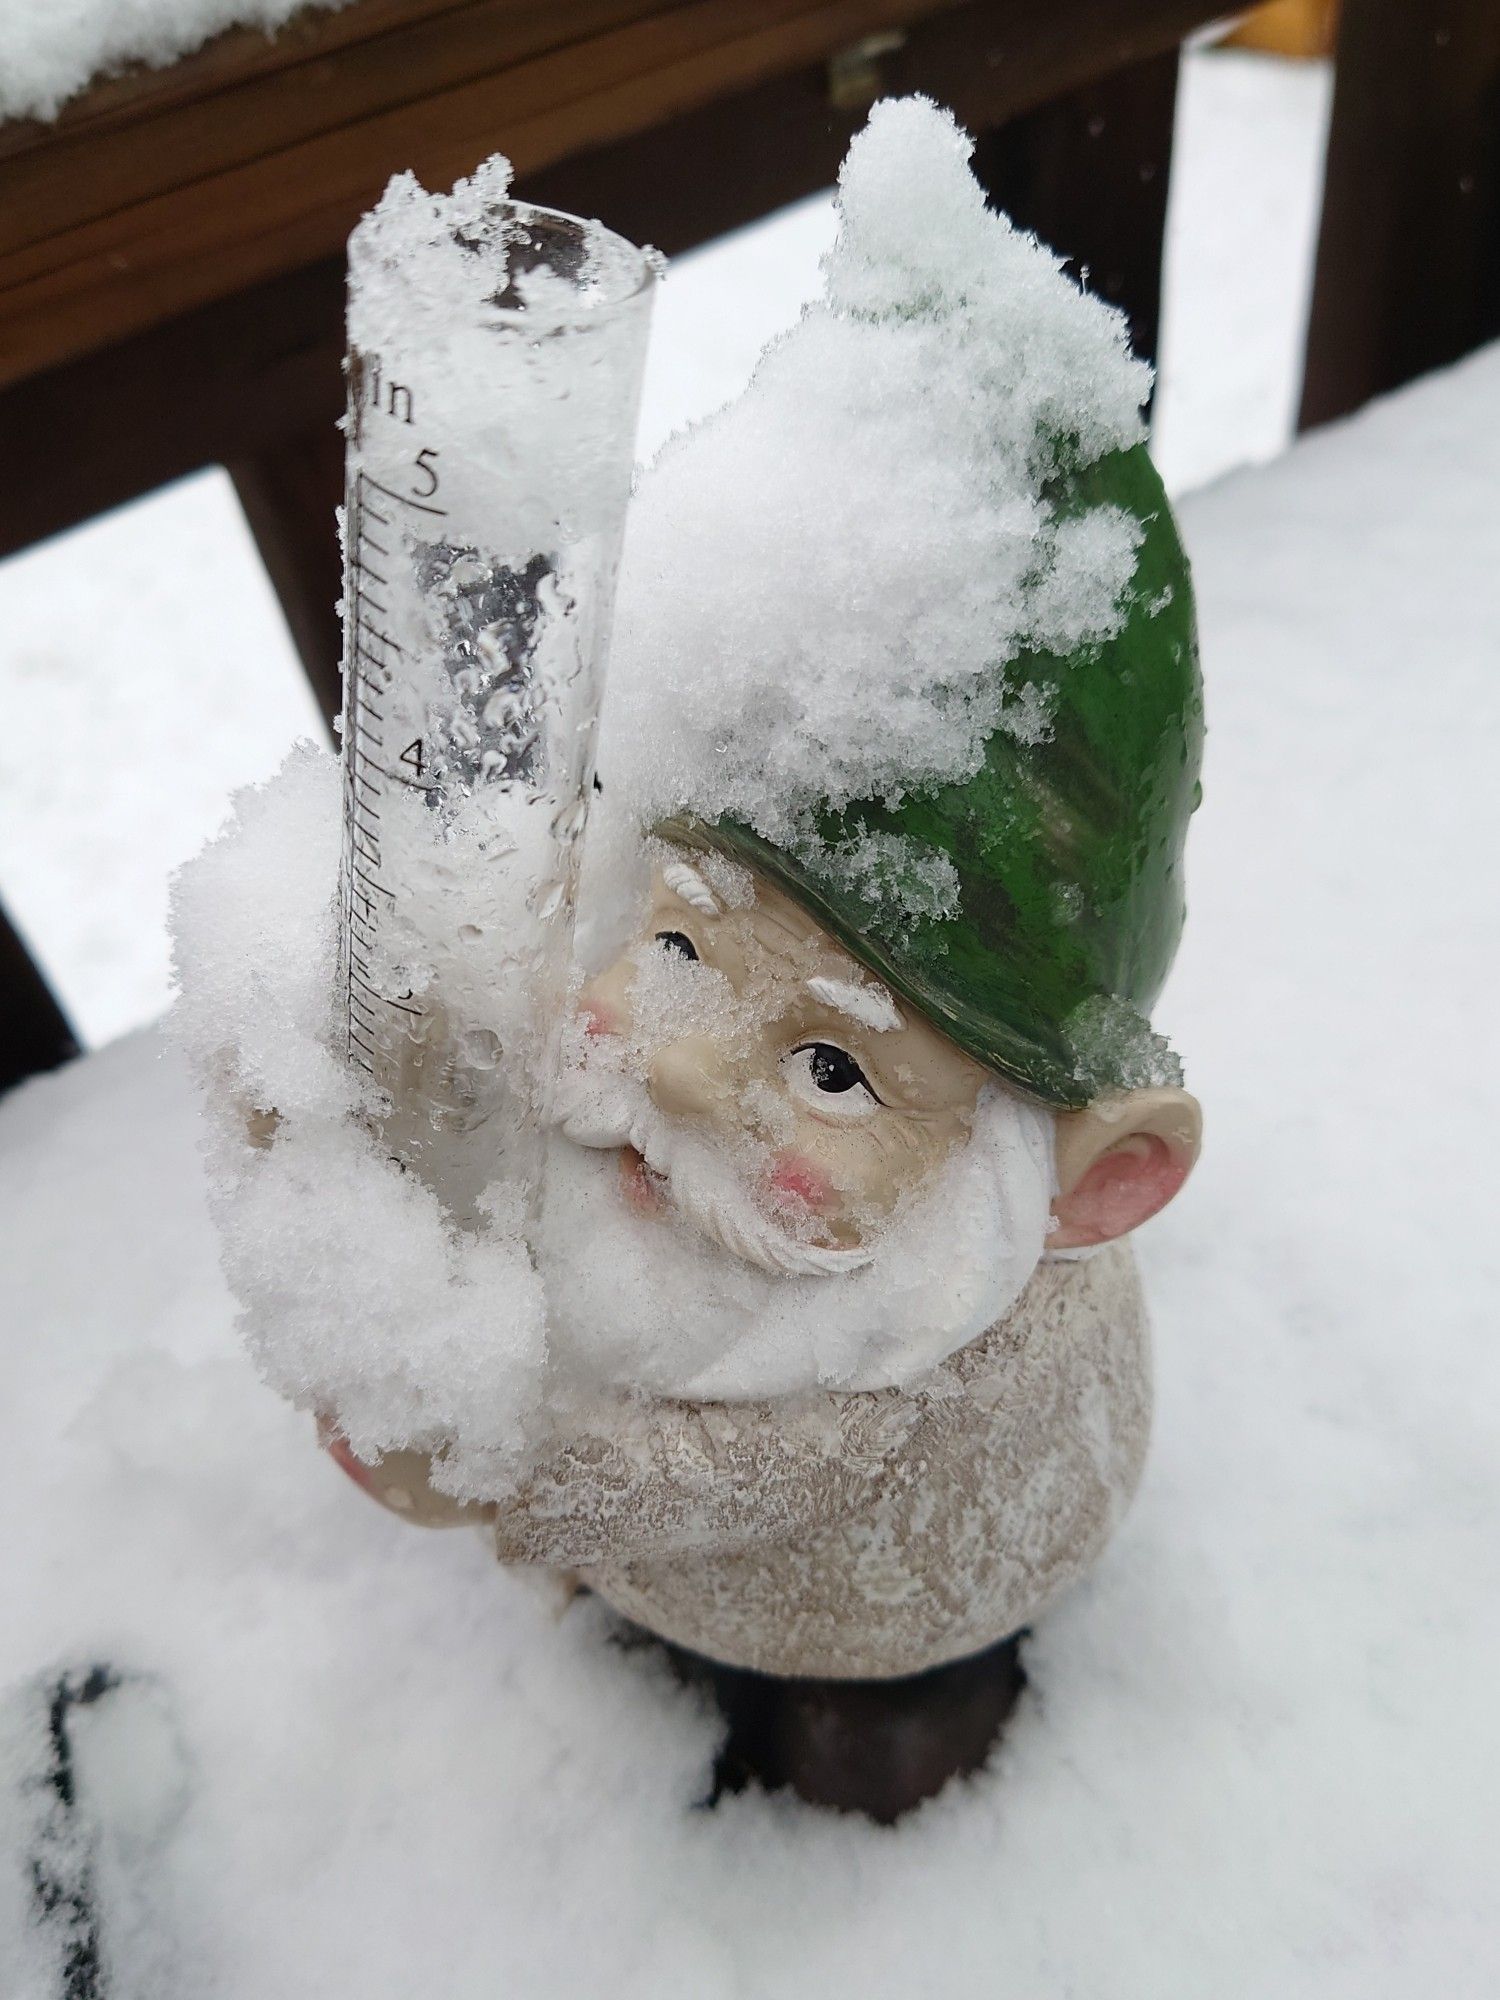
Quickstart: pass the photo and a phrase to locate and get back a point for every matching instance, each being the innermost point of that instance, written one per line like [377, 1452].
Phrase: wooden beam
[289, 491]
[243, 188]
[223, 383]
[227, 224]
[247, 95]
[1408, 266]
[991, 61]
[37, 1033]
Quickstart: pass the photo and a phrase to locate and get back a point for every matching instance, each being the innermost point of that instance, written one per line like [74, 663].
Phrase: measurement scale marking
[390, 777]
[402, 499]
[373, 885]
[374, 882]
[401, 1006]
[374, 654]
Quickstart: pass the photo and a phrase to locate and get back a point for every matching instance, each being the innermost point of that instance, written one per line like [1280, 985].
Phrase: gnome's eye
[678, 942]
[828, 1077]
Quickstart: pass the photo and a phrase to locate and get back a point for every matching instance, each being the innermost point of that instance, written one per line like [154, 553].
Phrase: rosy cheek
[599, 1019]
[793, 1177]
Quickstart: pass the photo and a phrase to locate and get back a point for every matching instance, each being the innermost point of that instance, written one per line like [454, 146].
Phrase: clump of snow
[1114, 1047]
[51, 51]
[900, 881]
[823, 584]
[509, 348]
[359, 1296]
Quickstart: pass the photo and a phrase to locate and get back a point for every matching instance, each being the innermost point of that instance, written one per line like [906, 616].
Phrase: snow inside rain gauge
[494, 372]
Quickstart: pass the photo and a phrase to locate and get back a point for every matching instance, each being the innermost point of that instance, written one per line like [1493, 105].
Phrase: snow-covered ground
[145, 671]
[1258, 1755]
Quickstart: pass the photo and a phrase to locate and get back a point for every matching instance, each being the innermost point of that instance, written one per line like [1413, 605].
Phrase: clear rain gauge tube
[494, 372]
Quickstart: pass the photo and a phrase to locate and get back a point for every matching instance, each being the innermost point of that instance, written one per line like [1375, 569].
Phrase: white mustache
[601, 1108]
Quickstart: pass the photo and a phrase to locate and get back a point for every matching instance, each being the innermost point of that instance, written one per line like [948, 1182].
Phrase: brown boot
[876, 1747]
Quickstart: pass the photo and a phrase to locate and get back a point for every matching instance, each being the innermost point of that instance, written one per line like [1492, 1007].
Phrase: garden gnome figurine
[865, 1102]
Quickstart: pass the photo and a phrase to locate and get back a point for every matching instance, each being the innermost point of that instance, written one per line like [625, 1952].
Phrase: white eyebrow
[871, 1006]
[689, 884]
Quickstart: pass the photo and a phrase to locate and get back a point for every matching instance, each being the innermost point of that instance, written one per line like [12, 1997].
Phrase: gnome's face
[779, 1177]
[741, 1018]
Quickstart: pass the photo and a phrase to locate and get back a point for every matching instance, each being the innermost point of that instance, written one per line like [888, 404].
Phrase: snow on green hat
[909, 629]
[1065, 853]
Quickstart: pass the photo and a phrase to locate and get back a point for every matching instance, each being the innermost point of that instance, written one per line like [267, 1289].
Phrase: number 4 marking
[412, 756]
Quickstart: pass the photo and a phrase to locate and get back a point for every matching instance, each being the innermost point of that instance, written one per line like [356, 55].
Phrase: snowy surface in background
[148, 650]
[1247, 186]
[1258, 1754]
[49, 49]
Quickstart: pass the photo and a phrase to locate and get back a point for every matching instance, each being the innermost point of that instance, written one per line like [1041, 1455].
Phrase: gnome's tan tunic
[855, 1536]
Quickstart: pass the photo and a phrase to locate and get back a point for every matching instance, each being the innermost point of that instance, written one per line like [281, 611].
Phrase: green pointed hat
[1066, 853]
[908, 628]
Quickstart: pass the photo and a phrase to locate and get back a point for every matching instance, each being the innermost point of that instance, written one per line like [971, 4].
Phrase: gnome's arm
[645, 1478]
[656, 1478]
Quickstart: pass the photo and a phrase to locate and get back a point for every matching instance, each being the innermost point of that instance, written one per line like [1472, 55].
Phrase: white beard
[603, 1108]
[716, 1301]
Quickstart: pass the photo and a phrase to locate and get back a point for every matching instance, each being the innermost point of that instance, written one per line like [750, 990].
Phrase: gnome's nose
[689, 1078]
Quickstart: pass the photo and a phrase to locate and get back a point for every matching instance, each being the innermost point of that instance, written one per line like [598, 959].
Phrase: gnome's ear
[1120, 1161]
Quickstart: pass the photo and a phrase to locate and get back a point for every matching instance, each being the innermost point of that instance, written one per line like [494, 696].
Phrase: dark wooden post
[1088, 173]
[1408, 270]
[289, 493]
[34, 1031]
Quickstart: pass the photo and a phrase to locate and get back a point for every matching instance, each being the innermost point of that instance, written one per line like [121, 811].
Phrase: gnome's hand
[402, 1483]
